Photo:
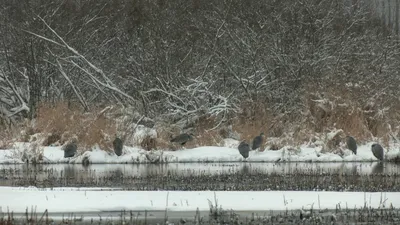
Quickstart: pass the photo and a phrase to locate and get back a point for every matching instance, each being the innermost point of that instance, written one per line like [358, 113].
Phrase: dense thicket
[193, 57]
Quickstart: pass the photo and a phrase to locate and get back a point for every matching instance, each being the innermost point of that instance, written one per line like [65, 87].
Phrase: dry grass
[7, 138]
[337, 109]
[204, 135]
[21, 132]
[62, 122]
[255, 119]
[332, 112]
[149, 143]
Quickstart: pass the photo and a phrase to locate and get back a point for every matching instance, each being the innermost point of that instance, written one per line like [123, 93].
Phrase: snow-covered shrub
[274, 143]
[141, 132]
[29, 152]
[230, 143]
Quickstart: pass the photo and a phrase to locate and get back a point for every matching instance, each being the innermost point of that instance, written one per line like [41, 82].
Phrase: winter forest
[294, 70]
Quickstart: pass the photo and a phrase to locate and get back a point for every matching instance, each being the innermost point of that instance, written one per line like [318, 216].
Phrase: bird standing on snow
[70, 148]
[257, 141]
[351, 144]
[118, 145]
[377, 150]
[182, 138]
[244, 149]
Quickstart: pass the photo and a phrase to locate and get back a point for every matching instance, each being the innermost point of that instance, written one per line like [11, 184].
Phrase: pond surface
[373, 176]
[368, 177]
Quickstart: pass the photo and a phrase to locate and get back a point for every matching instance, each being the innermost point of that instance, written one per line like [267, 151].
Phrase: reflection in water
[354, 170]
[95, 172]
[193, 169]
[245, 169]
[378, 168]
[69, 171]
[211, 176]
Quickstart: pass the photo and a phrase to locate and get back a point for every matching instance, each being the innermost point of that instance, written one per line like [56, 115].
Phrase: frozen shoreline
[199, 154]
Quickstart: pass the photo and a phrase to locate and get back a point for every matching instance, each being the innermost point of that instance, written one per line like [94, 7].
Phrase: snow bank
[70, 201]
[200, 154]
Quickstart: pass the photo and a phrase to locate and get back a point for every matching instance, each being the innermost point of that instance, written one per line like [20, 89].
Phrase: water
[142, 170]
[209, 176]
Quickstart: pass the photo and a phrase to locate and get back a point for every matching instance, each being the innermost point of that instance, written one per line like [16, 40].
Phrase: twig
[166, 209]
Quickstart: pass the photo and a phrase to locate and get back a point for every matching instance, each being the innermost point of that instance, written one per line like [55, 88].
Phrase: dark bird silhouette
[70, 149]
[244, 149]
[377, 150]
[182, 138]
[351, 144]
[118, 145]
[85, 161]
[257, 141]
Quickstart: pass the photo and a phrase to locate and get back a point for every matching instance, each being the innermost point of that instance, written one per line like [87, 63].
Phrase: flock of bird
[377, 149]
[244, 147]
[70, 149]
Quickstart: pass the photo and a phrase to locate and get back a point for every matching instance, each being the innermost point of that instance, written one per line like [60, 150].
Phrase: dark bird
[85, 161]
[244, 149]
[70, 149]
[351, 144]
[118, 144]
[257, 141]
[182, 138]
[377, 150]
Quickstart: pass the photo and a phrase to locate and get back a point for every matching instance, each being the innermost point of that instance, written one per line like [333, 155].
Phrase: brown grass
[336, 113]
[350, 109]
[6, 138]
[204, 135]
[62, 122]
[149, 143]
[340, 111]
[343, 113]
[256, 118]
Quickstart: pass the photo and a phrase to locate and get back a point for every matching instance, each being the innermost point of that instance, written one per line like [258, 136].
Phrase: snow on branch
[12, 101]
[106, 83]
[74, 88]
[196, 97]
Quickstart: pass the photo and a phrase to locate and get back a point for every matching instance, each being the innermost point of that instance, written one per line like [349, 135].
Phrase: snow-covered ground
[229, 153]
[71, 200]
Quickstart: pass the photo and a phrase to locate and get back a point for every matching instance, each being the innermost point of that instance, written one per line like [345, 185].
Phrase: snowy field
[228, 153]
[70, 200]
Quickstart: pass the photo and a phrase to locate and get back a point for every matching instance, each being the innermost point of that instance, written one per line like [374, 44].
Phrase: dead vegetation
[364, 119]
[58, 123]
[322, 114]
